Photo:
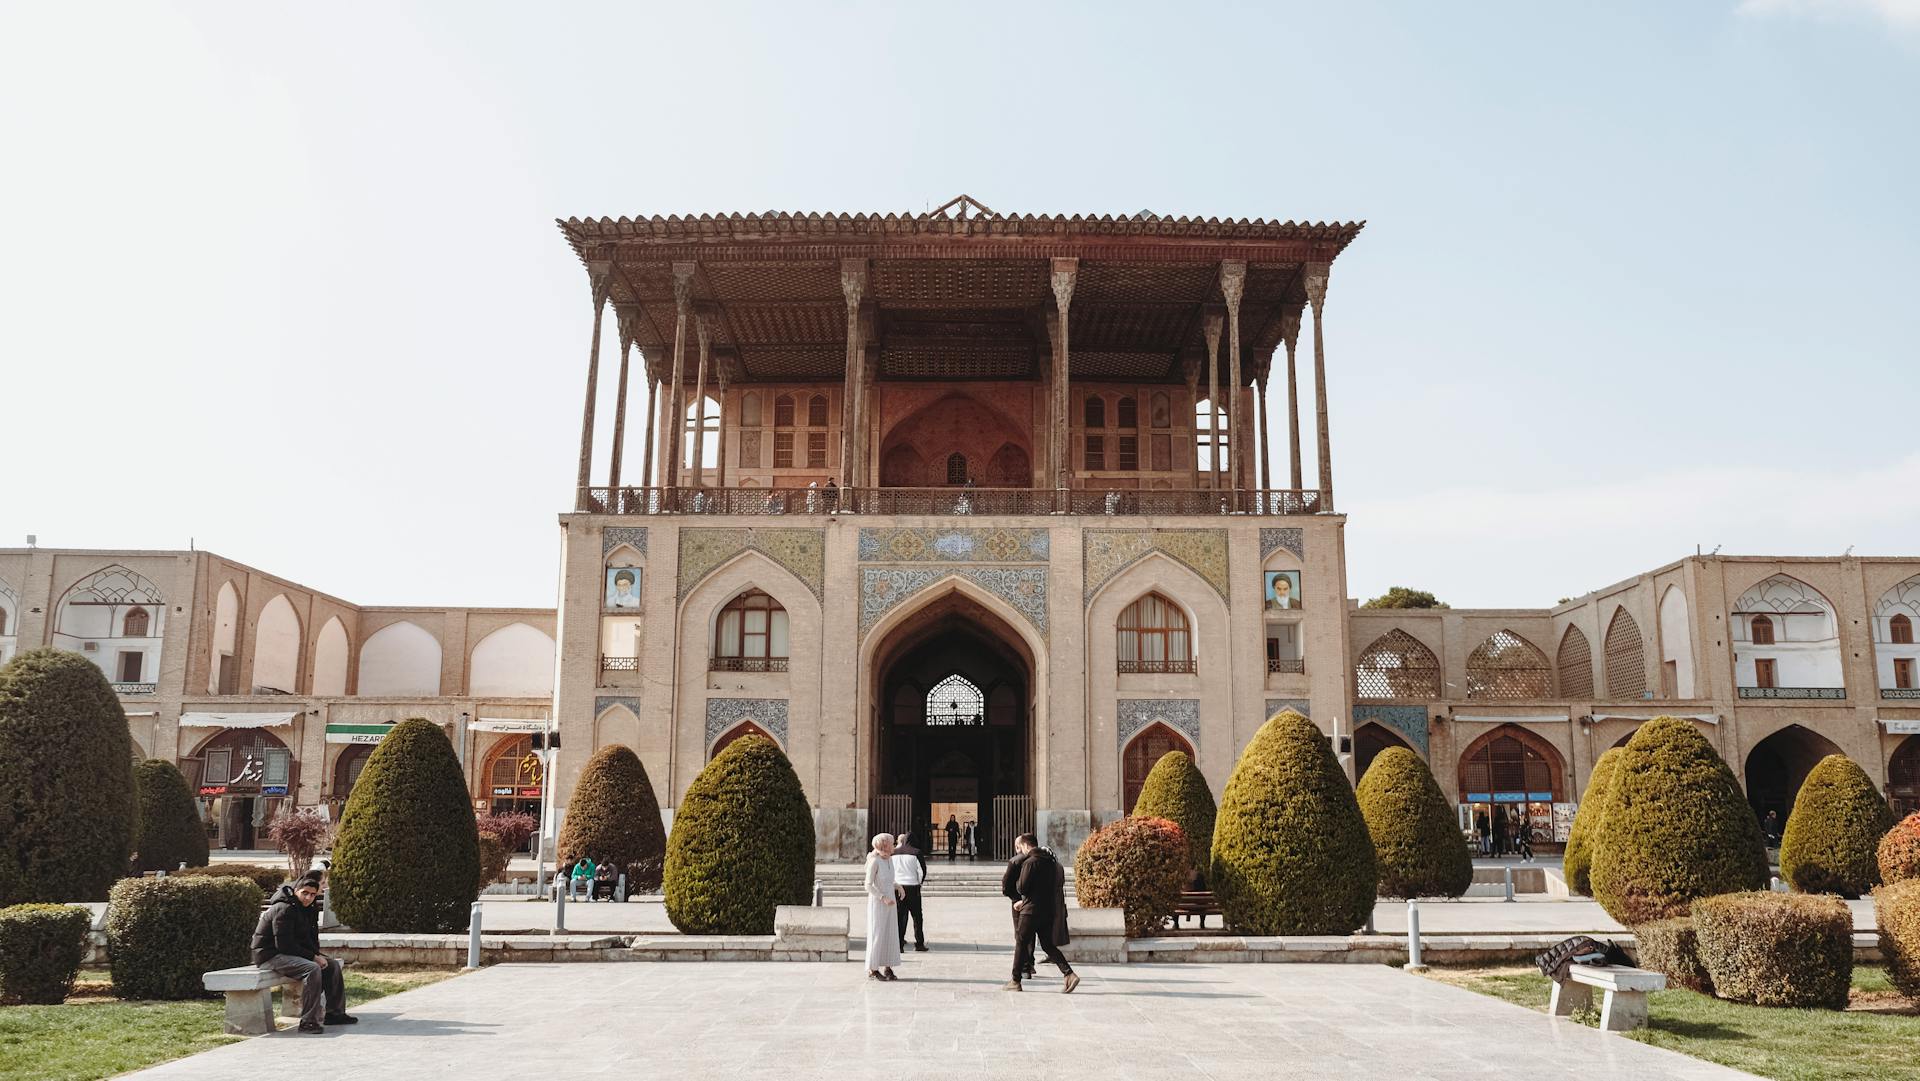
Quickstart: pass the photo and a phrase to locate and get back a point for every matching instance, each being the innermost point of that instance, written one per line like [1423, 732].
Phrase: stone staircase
[958, 879]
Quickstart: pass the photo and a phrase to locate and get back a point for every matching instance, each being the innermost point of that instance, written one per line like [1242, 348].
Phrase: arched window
[1369, 740]
[817, 411]
[956, 468]
[135, 625]
[1508, 666]
[1900, 630]
[1154, 742]
[750, 409]
[739, 731]
[1762, 630]
[1625, 660]
[1576, 665]
[783, 411]
[955, 700]
[1162, 411]
[347, 769]
[1128, 417]
[1154, 637]
[1096, 411]
[1510, 761]
[750, 635]
[1396, 665]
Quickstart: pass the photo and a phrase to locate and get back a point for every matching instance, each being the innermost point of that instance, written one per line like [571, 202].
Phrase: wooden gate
[1012, 816]
[891, 814]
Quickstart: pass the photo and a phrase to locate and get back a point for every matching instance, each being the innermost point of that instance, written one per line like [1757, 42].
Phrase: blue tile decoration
[1410, 722]
[607, 701]
[883, 588]
[1132, 715]
[802, 551]
[954, 545]
[769, 713]
[614, 536]
[1292, 538]
[1299, 705]
[1107, 552]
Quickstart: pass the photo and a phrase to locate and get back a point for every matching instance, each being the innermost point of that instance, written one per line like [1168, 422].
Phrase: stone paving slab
[946, 1018]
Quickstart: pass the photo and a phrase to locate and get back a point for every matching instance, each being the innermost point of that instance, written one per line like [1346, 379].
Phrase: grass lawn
[94, 1035]
[1877, 1038]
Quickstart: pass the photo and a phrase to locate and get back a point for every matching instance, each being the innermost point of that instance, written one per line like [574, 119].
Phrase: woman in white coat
[883, 928]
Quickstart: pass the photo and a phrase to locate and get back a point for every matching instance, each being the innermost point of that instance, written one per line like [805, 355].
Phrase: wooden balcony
[951, 501]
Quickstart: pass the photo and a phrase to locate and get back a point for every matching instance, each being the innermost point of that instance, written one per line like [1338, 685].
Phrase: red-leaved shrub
[1136, 864]
[1900, 851]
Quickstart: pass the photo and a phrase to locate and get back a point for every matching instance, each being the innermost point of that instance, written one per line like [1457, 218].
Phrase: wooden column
[619, 416]
[674, 422]
[647, 478]
[853, 287]
[1266, 449]
[703, 333]
[1210, 325]
[1190, 368]
[1064, 273]
[1291, 330]
[1316, 282]
[601, 275]
[862, 409]
[722, 375]
[1233, 281]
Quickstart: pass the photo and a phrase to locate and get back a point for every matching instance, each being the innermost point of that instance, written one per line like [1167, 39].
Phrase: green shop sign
[357, 733]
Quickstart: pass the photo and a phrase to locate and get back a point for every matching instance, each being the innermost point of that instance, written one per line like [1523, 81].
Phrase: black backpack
[1580, 949]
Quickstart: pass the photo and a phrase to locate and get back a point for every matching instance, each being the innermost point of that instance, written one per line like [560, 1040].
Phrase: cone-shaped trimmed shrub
[1776, 949]
[1291, 854]
[407, 855]
[1899, 855]
[742, 843]
[1416, 834]
[1176, 791]
[1577, 863]
[171, 832]
[1896, 910]
[613, 817]
[1833, 835]
[67, 806]
[1137, 864]
[1676, 827]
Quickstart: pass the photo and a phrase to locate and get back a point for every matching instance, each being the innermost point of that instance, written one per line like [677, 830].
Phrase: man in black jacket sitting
[287, 941]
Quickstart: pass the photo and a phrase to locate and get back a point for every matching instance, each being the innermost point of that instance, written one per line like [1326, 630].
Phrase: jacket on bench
[286, 928]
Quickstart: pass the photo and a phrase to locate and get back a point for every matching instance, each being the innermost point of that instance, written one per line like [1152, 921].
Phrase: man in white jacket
[910, 871]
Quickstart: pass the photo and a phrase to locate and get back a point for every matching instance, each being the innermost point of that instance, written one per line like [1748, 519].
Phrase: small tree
[514, 830]
[68, 813]
[171, 832]
[1137, 864]
[1676, 828]
[1291, 854]
[1402, 597]
[742, 843]
[1577, 863]
[1176, 791]
[302, 835]
[1836, 825]
[613, 817]
[407, 857]
[493, 859]
[1416, 836]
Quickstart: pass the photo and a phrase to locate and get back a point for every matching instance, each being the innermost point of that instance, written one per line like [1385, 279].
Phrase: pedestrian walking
[970, 839]
[1523, 838]
[1040, 912]
[883, 897]
[953, 836]
[1483, 834]
[910, 872]
[287, 941]
[1010, 889]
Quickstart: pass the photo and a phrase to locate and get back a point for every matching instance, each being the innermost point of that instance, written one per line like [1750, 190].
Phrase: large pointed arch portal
[952, 740]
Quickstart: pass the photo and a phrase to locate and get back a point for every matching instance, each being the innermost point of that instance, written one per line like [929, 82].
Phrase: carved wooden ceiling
[957, 293]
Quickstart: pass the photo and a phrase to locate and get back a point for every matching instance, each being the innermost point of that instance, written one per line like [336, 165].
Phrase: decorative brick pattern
[1292, 538]
[607, 701]
[1299, 705]
[769, 713]
[802, 551]
[954, 545]
[883, 588]
[1409, 721]
[634, 536]
[1107, 552]
[1133, 715]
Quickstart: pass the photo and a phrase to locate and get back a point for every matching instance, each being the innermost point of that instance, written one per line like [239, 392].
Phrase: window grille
[1128, 414]
[1129, 453]
[1096, 456]
[1396, 665]
[1508, 666]
[955, 700]
[816, 450]
[783, 411]
[817, 411]
[1576, 665]
[1095, 415]
[1626, 662]
[783, 450]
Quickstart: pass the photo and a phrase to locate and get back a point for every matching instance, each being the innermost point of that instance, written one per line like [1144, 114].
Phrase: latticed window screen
[1626, 662]
[817, 411]
[1096, 411]
[955, 700]
[783, 450]
[1154, 636]
[816, 450]
[1396, 665]
[1096, 455]
[1900, 630]
[1508, 666]
[1506, 764]
[783, 411]
[1129, 453]
[956, 468]
[1762, 630]
[1129, 414]
[136, 623]
[1576, 665]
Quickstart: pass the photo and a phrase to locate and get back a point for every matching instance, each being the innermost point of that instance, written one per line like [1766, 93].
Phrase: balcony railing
[136, 688]
[1286, 664]
[1792, 692]
[747, 664]
[949, 501]
[1900, 694]
[619, 664]
[1156, 667]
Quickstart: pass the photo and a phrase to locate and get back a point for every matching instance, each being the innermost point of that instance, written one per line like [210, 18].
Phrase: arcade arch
[1778, 765]
[515, 661]
[1368, 741]
[276, 648]
[400, 660]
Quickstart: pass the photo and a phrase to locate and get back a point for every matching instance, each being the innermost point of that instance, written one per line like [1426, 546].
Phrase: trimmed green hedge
[67, 807]
[1673, 947]
[742, 843]
[1777, 949]
[1176, 791]
[163, 934]
[1834, 831]
[267, 878]
[614, 817]
[1577, 863]
[1896, 909]
[1676, 827]
[1416, 834]
[171, 832]
[1291, 853]
[407, 854]
[1136, 864]
[493, 860]
[41, 947]
[1899, 854]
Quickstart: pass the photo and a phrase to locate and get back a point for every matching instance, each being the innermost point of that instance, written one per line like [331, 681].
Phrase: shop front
[1512, 789]
[242, 775]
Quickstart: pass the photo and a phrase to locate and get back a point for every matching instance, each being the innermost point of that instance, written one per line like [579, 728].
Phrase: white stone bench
[249, 991]
[1625, 1004]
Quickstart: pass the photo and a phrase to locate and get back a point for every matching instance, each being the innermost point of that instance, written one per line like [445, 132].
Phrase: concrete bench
[249, 991]
[1625, 1004]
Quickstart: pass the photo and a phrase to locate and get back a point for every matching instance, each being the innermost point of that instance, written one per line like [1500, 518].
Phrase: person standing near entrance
[1039, 890]
[883, 896]
[969, 840]
[953, 836]
[910, 872]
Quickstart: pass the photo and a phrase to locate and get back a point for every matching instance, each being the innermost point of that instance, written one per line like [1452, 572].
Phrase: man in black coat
[287, 941]
[1039, 895]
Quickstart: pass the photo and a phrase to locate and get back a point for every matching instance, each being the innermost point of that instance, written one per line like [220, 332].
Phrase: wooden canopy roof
[959, 292]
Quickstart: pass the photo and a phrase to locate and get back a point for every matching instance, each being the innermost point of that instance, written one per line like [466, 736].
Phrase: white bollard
[1509, 870]
[1414, 963]
[819, 893]
[620, 888]
[473, 938]
[559, 907]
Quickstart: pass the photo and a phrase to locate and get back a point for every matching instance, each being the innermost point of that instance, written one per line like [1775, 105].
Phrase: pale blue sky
[285, 280]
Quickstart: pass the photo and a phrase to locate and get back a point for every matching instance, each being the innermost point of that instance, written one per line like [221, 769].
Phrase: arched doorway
[738, 731]
[1511, 779]
[346, 773]
[514, 777]
[1776, 767]
[1903, 777]
[1153, 743]
[1368, 741]
[950, 741]
[243, 776]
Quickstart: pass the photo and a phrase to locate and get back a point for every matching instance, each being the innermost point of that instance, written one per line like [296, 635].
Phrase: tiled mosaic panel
[1292, 538]
[769, 713]
[635, 536]
[1409, 721]
[953, 545]
[608, 701]
[802, 551]
[1132, 715]
[1299, 705]
[884, 588]
[1107, 552]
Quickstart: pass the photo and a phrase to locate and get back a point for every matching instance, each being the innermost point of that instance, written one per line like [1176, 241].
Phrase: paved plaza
[946, 1019]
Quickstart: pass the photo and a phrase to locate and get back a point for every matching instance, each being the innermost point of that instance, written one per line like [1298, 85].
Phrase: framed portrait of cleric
[1283, 590]
[623, 588]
